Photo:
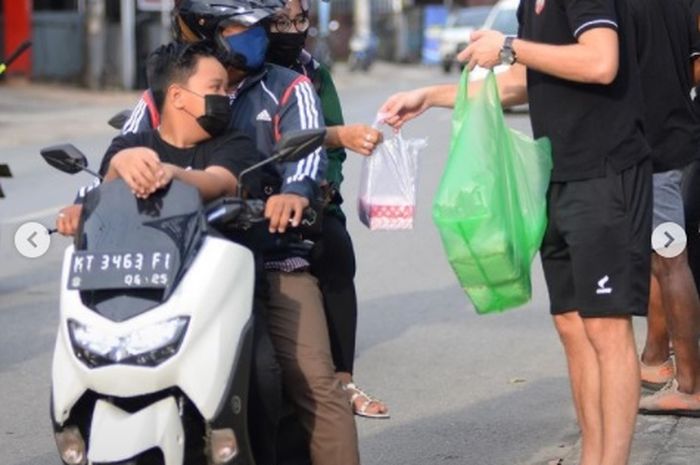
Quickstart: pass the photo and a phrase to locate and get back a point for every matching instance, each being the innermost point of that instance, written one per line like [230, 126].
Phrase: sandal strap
[357, 392]
[365, 404]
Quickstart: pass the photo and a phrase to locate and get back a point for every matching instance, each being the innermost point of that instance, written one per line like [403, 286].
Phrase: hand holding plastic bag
[490, 208]
[387, 197]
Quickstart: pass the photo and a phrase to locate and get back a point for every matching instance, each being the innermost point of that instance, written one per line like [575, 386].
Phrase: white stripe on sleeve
[302, 113]
[593, 23]
[308, 103]
[314, 111]
[132, 124]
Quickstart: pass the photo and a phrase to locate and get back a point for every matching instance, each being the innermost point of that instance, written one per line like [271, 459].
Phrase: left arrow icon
[32, 240]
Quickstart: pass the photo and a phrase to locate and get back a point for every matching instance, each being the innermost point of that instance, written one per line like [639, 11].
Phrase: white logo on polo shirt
[601, 286]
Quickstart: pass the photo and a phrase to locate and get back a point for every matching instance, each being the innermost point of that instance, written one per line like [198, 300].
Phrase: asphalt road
[462, 388]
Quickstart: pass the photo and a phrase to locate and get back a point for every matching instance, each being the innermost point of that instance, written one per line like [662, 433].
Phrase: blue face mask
[247, 50]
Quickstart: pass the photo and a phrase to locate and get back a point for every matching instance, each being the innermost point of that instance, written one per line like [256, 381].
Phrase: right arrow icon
[668, 240]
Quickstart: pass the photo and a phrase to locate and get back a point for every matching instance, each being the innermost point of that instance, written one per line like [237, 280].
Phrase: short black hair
[174, 63]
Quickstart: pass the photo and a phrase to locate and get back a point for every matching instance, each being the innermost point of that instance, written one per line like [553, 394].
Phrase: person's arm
[69, 217]
[141, 169]
[141, 120]
[226, 158]
[360, 138]
[405, 106]
[300, 109]
[212, 182]
[68, 220]
[593, 59]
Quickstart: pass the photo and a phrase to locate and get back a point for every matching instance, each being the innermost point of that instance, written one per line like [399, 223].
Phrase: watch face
[507, 57]
[507, 54]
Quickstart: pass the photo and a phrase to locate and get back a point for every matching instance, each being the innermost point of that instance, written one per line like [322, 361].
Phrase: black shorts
[596, 252]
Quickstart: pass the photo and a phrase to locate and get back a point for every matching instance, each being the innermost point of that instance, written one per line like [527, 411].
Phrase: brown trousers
[299, 333]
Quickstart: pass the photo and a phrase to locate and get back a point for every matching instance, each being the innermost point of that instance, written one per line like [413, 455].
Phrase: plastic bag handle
[379, 119]
[462, 92]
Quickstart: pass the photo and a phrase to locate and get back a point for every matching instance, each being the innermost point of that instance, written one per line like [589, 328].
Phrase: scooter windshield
[131, 253]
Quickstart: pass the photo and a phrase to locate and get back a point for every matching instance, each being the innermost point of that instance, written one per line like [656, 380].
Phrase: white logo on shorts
[601, 286]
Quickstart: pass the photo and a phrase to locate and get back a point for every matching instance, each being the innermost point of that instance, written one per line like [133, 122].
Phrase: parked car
[460, 24]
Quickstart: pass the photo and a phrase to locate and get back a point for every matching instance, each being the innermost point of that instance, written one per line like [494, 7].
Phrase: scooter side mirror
[119, 120]
[65, 157]
[5, 171]
[296, 145]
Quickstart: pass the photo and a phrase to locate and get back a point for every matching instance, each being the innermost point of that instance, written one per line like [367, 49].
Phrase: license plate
[91, 271]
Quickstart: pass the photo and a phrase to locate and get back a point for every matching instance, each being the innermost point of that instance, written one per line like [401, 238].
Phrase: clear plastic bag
[387, 197]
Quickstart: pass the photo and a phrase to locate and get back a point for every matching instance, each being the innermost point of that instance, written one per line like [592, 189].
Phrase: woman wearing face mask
[334, 260]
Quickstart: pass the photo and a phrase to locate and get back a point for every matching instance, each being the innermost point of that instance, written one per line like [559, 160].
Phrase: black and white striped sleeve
[585, 15]
[301, 109]
[139, 120]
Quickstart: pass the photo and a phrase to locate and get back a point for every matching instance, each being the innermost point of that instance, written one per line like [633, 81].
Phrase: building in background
[15, 28]
[104, 43]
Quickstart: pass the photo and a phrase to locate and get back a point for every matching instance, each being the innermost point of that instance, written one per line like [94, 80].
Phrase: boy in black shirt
[669, 43]
[192, 143]
[575, 61]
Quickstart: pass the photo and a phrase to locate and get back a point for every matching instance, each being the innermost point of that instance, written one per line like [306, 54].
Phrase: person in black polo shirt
[575, 61]
[668, 42]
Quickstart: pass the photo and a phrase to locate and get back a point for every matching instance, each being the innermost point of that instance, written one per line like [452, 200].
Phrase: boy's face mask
[217, 113]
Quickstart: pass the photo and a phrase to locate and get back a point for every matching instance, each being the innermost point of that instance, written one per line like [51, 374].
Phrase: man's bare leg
[585, 384]
[613, 341]
[682, 307]
[656, 350]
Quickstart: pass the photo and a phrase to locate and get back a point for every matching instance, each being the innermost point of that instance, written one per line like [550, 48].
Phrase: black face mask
[285, 47]
[217, 114]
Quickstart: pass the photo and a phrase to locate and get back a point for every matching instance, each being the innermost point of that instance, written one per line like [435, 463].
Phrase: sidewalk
[32, 113]
[659, 440]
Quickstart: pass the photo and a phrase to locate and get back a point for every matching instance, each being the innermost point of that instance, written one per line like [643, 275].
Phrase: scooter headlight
[147, 346]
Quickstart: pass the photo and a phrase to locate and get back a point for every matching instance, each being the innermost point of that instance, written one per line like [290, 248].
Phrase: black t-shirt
[589, 124]
[668, 41]
[233, 151]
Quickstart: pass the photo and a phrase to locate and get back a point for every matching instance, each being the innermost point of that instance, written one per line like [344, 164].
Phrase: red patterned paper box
[386, 216]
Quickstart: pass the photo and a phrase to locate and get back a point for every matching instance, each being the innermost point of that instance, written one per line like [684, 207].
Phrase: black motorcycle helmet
[196, 20]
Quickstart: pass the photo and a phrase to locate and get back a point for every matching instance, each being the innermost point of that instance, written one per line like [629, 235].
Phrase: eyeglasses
[285, 24]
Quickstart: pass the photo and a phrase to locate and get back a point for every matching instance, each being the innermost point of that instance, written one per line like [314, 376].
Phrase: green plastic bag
[490, 207]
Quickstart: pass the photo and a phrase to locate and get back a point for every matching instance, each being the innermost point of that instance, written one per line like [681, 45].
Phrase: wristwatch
[507, 54]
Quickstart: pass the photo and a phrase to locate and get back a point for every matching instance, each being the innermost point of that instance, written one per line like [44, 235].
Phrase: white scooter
[153, 353]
